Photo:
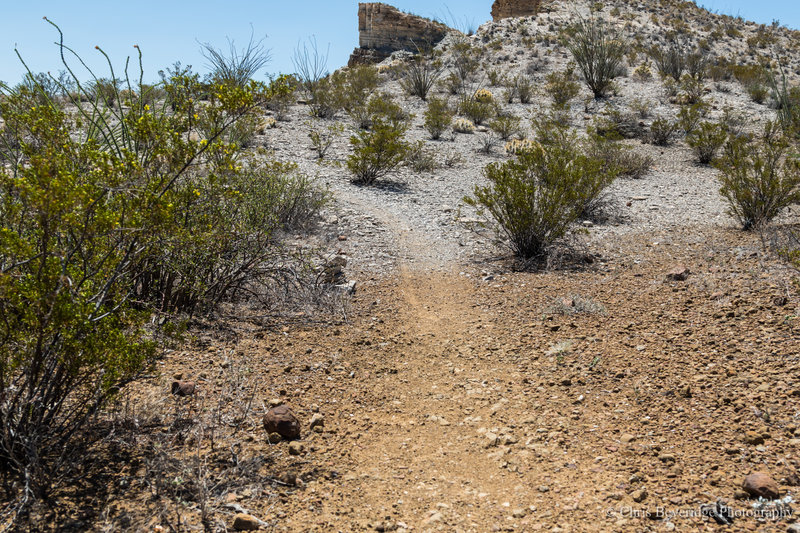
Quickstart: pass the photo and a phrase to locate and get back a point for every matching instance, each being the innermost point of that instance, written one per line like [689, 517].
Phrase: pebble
[246, 522]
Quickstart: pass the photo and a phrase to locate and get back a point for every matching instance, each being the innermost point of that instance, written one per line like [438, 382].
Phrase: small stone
[183, 388]
[544, 488]
[317, 420]
[274, 438]
[435, 517]
[666, 458]
[296, 448]
[519, 513]
[678, 273]
[793, 528]
[627, 438]
[753, 438]
[639, 495]
[281, 420]
[759, 484]
[246, 522]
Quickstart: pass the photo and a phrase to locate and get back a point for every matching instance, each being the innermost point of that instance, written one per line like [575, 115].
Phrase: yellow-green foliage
[108, 216]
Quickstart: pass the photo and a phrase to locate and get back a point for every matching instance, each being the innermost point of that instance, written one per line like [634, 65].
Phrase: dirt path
[473, 407]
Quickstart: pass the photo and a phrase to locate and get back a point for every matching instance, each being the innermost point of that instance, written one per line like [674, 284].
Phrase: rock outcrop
[383, 29]
[503, 9]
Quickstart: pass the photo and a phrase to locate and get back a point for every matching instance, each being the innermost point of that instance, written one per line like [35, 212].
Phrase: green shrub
[598, 51]
[280, 94]
[524, 88]
[661, 131]
[561, 87]
[619, 159]
[327, 96]
[754, 80]
[706, 139]
[673, 60]
[505, 125]
[759, 178]
[476, 110]
[421, 159]
[438, 117]
[691, 89]
[537, 197]
[107, 216]
[378, 151]
[690, 116]
[322, 138]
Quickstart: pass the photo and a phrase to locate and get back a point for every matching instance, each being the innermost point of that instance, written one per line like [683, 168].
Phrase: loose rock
[761, 485]
[282, 420]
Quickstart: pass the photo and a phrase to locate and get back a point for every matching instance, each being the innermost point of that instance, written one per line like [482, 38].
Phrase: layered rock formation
[383, 29]
[503, 9]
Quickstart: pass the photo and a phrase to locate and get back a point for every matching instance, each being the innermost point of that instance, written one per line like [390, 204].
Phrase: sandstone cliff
[383, 29]
[503, 9]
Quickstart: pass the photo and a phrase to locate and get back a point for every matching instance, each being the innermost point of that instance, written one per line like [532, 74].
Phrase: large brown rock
[383, 29]
[503, 9]
[761, 485]
[281, 420]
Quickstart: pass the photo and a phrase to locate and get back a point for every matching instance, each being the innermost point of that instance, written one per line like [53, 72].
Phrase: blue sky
[169, 31]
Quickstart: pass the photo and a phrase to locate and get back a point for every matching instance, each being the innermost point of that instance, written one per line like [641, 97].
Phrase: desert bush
[236, 66]
[476, 110]
[378, 151]
[641, 107]
[561, 87]
[676, 58]
[706, 140]
[438, 117]
[759, 178]
[754, 80]
[615, 125]
[421, 72]
[466, 62]
[505, 125]
[108, 216]
[524, 88]
[691, 89]
[690, 116]
[537, 197]
[322, 138]
[327, 96]
[280, 94]
[617, 158]
[359, 84]
[662, 131]
[598, 52]
[463, 125]
[420, 158]
[105, 91]
[496, 78]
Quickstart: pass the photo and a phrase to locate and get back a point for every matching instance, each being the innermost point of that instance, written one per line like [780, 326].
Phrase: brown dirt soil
[562, 401]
